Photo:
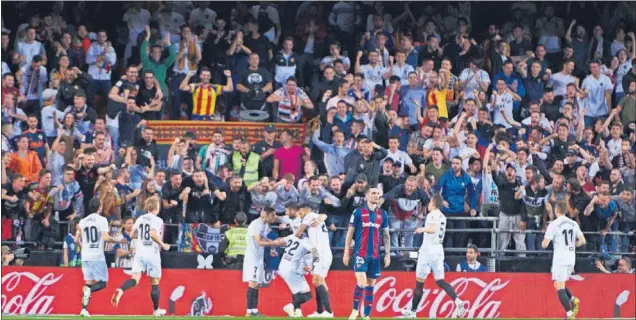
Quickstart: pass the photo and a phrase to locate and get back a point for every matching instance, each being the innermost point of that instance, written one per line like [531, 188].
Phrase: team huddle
[307, 250]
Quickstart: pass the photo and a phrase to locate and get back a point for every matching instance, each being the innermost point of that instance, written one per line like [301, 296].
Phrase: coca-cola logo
[34, 302]
[437, 302]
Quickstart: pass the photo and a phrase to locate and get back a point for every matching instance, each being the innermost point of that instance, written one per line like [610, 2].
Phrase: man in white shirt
[29, 48]
[399, 156]
[136, 18]
[561, 79]
[598, 93]
[566, 235]
[93, 232]
[334, 54]
[374, 73]
[253, 263]
[401, 69]
[147, 234]
[101, 58]
[431, 258]
[202, 16]
[169, 21]
[319, 239]
[473, 78]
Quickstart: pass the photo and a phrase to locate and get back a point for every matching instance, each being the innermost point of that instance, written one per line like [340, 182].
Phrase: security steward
[232, 247]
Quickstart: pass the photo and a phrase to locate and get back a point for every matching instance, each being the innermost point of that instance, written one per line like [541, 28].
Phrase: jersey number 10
[91, 234]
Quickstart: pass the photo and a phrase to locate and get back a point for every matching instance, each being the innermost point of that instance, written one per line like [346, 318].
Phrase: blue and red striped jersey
[368, 224]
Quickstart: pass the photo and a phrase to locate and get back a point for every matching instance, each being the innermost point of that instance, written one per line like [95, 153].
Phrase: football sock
[319, 307]
[417, 295]
[154, 295]
[252, 298]
[296, 300]
[447, 288]
[322, 291]
[569, 293]
[98, 286]
[357, 295]
[368, 300]
[565, 301]
[128, 284]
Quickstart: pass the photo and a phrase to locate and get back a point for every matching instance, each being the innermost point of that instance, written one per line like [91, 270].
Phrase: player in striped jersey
[365, 226]
[205, 94]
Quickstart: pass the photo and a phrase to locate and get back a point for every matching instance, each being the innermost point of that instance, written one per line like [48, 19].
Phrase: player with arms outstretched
[314, 225]
[254, 263]
[91, 233]
[431, 258]
[566, 235]
[147, 234]
[365, 226]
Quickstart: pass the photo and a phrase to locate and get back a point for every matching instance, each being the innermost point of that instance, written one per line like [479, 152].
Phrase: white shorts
[295, 280]
[253, 271]
[152, 266]
[427, 263]
[95, 271]
[562, 272]
[323, 265]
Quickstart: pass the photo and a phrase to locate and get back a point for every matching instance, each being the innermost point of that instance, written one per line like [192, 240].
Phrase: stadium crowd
[504, 118]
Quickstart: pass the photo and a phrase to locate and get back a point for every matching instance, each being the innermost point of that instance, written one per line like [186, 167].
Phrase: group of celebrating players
[307, 249]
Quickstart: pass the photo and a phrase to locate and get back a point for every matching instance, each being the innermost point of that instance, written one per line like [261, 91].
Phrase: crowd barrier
[57, 291]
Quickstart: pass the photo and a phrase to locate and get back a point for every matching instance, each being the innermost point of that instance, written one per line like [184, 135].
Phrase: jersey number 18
[144, 232]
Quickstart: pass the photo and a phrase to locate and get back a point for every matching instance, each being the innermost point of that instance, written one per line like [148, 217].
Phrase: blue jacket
[453, 190]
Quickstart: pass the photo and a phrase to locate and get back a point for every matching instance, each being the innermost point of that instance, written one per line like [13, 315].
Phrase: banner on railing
[166, 131]
[52, 290]
[199, 238]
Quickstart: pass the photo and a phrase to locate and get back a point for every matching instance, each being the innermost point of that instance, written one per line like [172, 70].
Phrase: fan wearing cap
[265, 149]
[34, 77]
[511, 216]
[50, 115]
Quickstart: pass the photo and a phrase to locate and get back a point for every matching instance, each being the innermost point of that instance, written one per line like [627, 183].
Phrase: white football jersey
[433, 242]
[563, 233]
[92, 227]
[295, 250]
[144, 246]
[318, 236]
[253, 251]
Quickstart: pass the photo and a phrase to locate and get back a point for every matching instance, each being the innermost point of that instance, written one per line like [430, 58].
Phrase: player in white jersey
[314, 226]
[431, 258]
[566, 235]
[147, 234]
[292, 270]
[253, 263]
[91, 233]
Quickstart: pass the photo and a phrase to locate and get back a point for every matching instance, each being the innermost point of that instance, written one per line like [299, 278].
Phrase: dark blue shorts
[370, 266]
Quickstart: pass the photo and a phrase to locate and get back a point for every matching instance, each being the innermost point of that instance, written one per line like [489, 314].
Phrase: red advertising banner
[52, 290]
[166, 130]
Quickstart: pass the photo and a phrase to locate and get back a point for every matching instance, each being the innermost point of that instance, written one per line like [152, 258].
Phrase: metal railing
[493, 251]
